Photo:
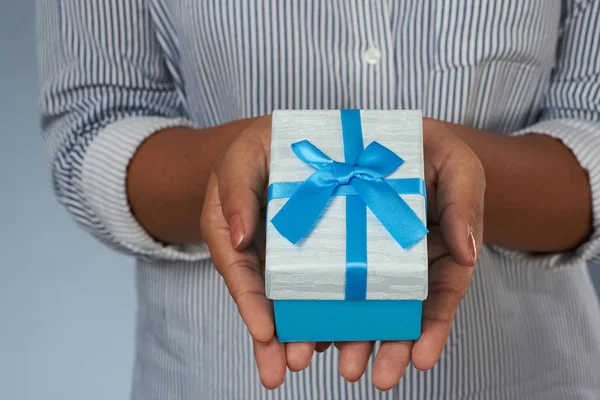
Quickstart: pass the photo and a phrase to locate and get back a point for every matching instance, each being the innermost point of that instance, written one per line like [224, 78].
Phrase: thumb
[459, 195]
[242, 176]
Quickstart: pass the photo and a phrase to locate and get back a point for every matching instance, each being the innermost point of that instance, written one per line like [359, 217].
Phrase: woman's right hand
[233, 229]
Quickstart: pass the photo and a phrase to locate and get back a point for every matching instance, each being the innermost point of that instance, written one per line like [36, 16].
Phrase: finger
[298, 355]
[354, 357]
[241, 270]
[436, 248]
[448, 283]
[259, 240]
[270, 361]
[390, 363]
[322, 346]
[242, 176]
[459, 195]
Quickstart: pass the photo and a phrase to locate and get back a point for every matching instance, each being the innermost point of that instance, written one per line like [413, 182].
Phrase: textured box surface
[315, 269]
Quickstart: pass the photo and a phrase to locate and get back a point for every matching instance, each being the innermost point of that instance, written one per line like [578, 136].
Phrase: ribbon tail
[301, 212]
[392, 211]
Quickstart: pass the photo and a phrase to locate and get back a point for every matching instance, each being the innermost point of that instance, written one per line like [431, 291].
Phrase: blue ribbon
[361, 179]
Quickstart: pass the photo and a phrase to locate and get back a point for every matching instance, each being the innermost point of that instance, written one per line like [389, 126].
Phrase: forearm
[537, 198]
[167, 179]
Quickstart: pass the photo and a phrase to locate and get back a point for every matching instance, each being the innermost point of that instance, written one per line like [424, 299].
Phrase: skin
[227, 167]
[167, 177]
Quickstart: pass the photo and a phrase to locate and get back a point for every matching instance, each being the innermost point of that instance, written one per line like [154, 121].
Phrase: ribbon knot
[298, 216]
[343, 172]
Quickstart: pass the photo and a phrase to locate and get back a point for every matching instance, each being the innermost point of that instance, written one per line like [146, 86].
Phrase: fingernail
[236, 229]
[472, 246]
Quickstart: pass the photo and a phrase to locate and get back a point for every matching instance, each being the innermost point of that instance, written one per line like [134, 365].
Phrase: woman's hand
[455, 192]
[233, 228]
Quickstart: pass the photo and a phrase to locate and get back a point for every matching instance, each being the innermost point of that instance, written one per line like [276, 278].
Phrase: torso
[525, 330]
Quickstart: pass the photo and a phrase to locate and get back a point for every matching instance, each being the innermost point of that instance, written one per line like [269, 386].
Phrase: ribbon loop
[377, 161]
[311, 155]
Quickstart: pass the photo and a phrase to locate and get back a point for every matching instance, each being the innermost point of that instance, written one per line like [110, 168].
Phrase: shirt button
[373, 55]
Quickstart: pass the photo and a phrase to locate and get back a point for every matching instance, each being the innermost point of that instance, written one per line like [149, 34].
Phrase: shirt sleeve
[571, 109]
[105, 87]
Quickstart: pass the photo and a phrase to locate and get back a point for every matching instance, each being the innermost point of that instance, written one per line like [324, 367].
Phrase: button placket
[377, 57]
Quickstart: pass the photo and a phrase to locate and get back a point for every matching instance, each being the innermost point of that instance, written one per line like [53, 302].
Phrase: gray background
[67, 304]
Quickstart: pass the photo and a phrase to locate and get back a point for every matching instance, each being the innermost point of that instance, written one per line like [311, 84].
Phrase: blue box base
[347, 320]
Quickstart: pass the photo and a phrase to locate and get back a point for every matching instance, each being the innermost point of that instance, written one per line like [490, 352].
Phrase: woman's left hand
[455, 192]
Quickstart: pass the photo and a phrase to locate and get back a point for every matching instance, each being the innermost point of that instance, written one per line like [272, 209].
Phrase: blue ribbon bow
[361, 178]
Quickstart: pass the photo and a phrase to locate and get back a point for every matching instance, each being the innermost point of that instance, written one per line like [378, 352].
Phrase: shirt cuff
[583, 139]
[104, 175]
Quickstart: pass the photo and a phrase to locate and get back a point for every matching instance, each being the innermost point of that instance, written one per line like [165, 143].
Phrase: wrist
[527, 178]
[157, 177]
[167, 179]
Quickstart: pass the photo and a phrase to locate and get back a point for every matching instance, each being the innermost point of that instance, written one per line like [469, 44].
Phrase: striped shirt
[113, 72]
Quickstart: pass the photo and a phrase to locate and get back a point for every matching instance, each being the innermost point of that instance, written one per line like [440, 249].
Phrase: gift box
[346, 250]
